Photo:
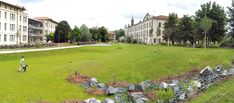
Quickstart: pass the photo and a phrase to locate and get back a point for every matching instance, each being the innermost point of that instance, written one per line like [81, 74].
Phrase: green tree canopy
[185, 29]
[170, 27]
[216, 13]
[231, 22]
[85, 33]
[61, 31]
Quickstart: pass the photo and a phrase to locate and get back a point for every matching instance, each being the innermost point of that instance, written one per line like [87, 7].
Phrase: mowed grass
[48, 70]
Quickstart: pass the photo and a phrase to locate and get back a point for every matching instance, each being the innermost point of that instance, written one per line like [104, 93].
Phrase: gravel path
[47, 49]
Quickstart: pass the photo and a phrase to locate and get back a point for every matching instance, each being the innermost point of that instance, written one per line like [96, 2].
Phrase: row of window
[146, 32]
[11, 38]
[154, 40]
[13, 26]
[144, 26]
[13, 17]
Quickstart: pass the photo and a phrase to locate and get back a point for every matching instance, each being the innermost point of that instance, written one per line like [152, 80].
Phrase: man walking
[22, 65]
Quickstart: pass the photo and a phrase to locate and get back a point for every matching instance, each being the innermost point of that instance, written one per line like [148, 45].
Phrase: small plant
[165, 95]
[226, 64]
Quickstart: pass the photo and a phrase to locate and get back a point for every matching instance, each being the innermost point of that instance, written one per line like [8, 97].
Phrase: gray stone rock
[231, 71]
[163, 85]
[108, 100]
[101, 85]
[175, 82]
[145, 85]
[111, 90]
[93, 80]
[206, 71]
[131, 87]
[182, 96]
[225, 73]
[92, 100]
[138, 97]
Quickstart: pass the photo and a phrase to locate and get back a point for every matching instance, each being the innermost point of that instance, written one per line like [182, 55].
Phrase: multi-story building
[13, 24]
[49, 25]
[35, 31]
[150, 30]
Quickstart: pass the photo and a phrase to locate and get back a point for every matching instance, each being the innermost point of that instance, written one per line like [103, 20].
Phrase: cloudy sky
[113, 14]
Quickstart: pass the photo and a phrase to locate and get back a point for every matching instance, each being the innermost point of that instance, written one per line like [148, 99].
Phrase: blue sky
[113, 14]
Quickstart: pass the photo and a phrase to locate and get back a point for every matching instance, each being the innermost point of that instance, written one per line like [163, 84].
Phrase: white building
[150, 30]
[49, 25]
[13, 24]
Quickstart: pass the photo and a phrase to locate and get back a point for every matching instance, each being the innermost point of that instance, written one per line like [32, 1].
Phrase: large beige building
[13, 24]
[49, 25]
[150, 30]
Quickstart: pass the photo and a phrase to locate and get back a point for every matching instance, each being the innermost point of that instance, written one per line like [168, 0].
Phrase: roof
[17, 6]
[160, 17]
[111, 32]
[45, 18]
[34, 20]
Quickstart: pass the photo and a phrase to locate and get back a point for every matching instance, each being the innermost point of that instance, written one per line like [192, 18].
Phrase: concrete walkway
[47, 49]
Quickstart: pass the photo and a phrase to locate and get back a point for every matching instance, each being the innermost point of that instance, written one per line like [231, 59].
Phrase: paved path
[47, 49]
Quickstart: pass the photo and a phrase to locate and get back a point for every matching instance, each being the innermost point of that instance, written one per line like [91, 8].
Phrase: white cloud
[113, 14]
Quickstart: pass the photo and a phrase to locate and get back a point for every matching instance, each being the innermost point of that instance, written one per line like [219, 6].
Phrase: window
[0, 14]
[24, 28]
[12, 38]
[24, 38]
[20, 18]
[12, 27]
[5, 26]
[5, 38]
[0, 37]
[5, 15]
[0, 25]
[159, 25]
[20, 28]
[25, 19]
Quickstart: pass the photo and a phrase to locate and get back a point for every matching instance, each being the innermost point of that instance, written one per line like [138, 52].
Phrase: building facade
[49, 25]
[149, 31]
[13, 24]
[35, 31]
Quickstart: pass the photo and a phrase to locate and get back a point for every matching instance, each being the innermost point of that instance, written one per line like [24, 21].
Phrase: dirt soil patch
[119, 84]
[182, 77]
[151, 95]
[95, 91]
[79, 78]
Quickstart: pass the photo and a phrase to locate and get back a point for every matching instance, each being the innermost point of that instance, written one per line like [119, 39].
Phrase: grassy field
[48, 70]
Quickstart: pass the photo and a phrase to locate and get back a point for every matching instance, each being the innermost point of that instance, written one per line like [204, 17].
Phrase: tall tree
[74, 35]
[231, 22]
[103, 34]
[95, 33]
[170, 28]
[217, 14]
[119, 33]
[205, 25]
[85, 33]
[61, 32]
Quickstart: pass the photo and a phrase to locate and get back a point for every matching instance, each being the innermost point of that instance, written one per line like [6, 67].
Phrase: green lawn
[48, 70]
